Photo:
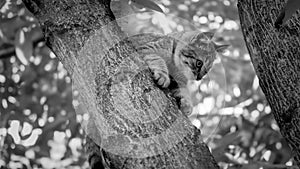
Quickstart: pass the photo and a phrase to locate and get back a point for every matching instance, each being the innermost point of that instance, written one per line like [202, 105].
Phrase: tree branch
[275, 57]
[80, 32]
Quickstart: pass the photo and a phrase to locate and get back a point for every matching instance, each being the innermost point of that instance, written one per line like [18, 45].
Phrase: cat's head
[196, 52]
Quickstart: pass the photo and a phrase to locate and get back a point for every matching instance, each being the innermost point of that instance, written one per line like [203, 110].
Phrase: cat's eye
[187, 63]
[199, 63]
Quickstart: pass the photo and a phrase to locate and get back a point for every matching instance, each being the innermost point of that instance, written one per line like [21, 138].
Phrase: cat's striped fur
[183, 57]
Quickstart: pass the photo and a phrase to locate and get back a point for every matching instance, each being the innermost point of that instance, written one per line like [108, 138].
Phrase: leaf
[223, 143]
[23, 47]
[251, 165]
[1, 66]
[11, 26]
[255, 83]
[148, 4]
[228, 139]
[2, 3]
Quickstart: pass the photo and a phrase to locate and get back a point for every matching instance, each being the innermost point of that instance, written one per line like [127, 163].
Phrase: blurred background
[40, 129]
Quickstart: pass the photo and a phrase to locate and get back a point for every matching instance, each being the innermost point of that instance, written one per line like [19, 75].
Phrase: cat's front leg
[159, 69]
[186, 107]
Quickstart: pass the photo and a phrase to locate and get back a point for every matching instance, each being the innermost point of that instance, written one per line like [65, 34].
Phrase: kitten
[180, 57]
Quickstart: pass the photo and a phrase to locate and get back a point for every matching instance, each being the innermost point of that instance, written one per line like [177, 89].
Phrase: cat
[182, 58]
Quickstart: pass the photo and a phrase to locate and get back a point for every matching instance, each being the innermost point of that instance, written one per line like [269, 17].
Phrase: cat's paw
[186, 107]
[162, 78]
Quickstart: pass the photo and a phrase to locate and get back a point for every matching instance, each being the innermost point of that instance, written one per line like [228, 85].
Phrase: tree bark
[72, 29]
[275, 54]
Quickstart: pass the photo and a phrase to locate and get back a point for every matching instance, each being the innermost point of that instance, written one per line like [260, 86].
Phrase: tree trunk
[159, 135]
[275, 54]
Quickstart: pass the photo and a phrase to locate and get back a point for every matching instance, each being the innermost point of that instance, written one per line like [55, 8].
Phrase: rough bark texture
[168, 140]
[275, 55]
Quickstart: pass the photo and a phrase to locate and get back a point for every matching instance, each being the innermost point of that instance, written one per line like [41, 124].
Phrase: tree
[275, 57]
[39, 127]
[67, 26]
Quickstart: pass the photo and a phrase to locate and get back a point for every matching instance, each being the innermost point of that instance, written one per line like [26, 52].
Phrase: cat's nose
[199, 76]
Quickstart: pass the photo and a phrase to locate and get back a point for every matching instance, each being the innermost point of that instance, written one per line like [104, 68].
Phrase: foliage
[38, 125]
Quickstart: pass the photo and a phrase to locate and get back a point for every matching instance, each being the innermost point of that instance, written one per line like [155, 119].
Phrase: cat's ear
[220, 48]
[209, 35]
